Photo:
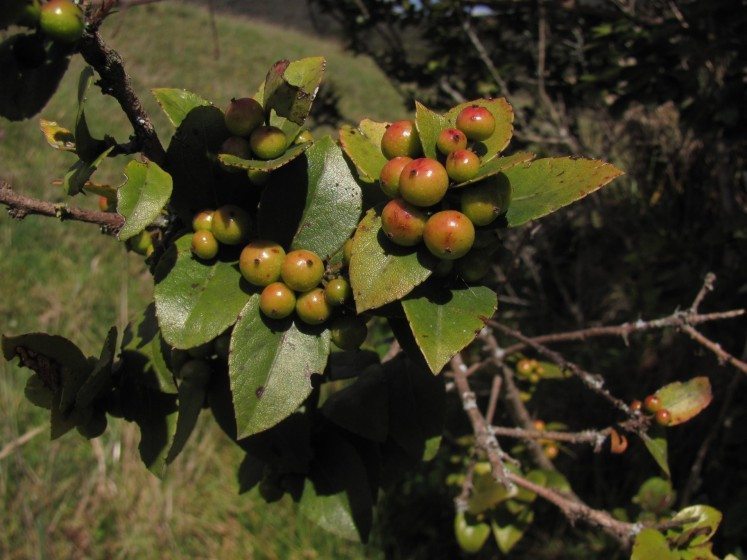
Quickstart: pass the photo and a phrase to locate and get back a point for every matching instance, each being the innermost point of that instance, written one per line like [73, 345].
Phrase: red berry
[400, 139]
[462, 165]
[423, 182]
[243, 116]
[449, 234]
[652, 404]
[663, 417]
[403, 223]
[477, 122]
[390, 173]
[636, 406]
[451, 140]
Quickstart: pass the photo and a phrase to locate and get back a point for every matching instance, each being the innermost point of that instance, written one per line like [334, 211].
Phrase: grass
[73, 498]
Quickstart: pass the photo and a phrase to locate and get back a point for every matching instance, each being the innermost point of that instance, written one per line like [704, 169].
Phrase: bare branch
[708, 283]
[592, 437]
[11, 446]
[722, 355]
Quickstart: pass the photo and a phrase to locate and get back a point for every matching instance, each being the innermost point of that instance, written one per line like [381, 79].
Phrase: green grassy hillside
[75, 499]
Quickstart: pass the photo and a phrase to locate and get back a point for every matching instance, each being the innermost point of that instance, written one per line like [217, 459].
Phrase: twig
[9, 447]
[495, 391]
[708, 282]
[592, 437]
[722, 355]
[20, 206]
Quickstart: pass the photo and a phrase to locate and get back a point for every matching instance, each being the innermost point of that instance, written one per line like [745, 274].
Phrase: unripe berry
[423, 182]
[524, 367]
[303, 137]
[140, 243]
[230, 225]
[443, 268]
[484, 202]
[348, 333]
[236, 146]
[338, 291]
[403, 223]
[257, 177]
[204, 245]
[400, 139]
[347, 252]
[260, 262]
[451, 140]
[477, 122]
[462, 165]
[474, 266]
[663, 417]
[652, 404]
[62, 21]
[268, 142]
[390, 174]
[203, 221]
[302, 270]
[277, 301]
[449, 234]
[312, 307]
[243, 116]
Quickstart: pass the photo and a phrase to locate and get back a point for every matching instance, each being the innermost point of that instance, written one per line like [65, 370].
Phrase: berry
[539, 425]
[141, 243]
[451, 140]
[551, 451]
[62, 21]
[487, 200]
[652, 404]
[257, 177]
[449, 234]
[312, 307]
[303, 137]
[268, 142]
[636, 406]
[204, 245]
[195, 371]
[423, 182]
[348, 333]
[390, 173]
[243, 116]
[203, 221]
[347, 252]
[338, 291]
[663, 417]
[107, 204]
[94, 427]
[277, 301]
[260, 262]
[618, 442]
[462, 165]
[443, 268]
[230, 225]
[474, 266]
[400, 139]
[477, 123]
[236, 146]
[524, 367]
[403, 223]
[302, 270]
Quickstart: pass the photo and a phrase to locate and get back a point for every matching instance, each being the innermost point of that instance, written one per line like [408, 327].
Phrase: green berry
[449, 234]
[140, 243]
[195, 371]
[230, 225]
[443, 268]
[312, 307]
[474, 266]
[477, 122]
[258, 177]
[260, 262]
[451, 140]
[268, 142]
[303, 137]
[62, 21]
[487, 200]
[204, 245]
[348, 333]
[203, 221]
[277, 301]
[302, 270]
[403, 223]
[400, 139]
[338, 291]
[390, 173]
[243, 116]
[423, 182]
[462, 165]
[347, 252]
[236, 146]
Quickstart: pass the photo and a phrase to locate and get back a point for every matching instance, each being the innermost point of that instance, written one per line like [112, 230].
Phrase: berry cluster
[653, 405]
[421, 211]
[530, 369]
[60, 20]
[291, 282]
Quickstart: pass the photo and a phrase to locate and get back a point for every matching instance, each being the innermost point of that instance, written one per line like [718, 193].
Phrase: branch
[592, 437]
[20, 206]
[9, 447]
[723, 355]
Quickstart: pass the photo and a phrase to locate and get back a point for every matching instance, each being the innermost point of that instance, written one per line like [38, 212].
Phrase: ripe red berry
[204, 245]
[230, 225]
[348, 333]
[203, 221]
[450, 140]
[485, 201]
[277, 301]
[337, 291]
[663, 417]
[423, 182]
[62, 21]
[636, 406]
[268, 142]
[462, 165]
[302, 270]
[652, 404]
[243, 116]
[312, 307]
[403, 223]
[260, 262]
[236, 146]
[477, 122]
[449, 234]
[400, 139]
[390, 173]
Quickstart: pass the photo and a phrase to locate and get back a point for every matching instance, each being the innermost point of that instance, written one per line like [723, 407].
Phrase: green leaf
[650, 544]
[471, 537]
[363, 146]
[685, 400]
[80, 172]
[701, 529]
[508, 529]
[444, 321]
[190, 401]
[264, 165]
[196, 301]
[59, 137]
[345, 365]
[143, 345]
[398, 270]
[504, 128]
[53, 347]
[37, 392]
[291, 87]
[495, 166]
[487, 493]
[429, 125]
[270, 365]
[656, 443]
[142, 197]
[100, 378]
[87, 147]
[542, 186]
[177, 103]
[655, 495]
